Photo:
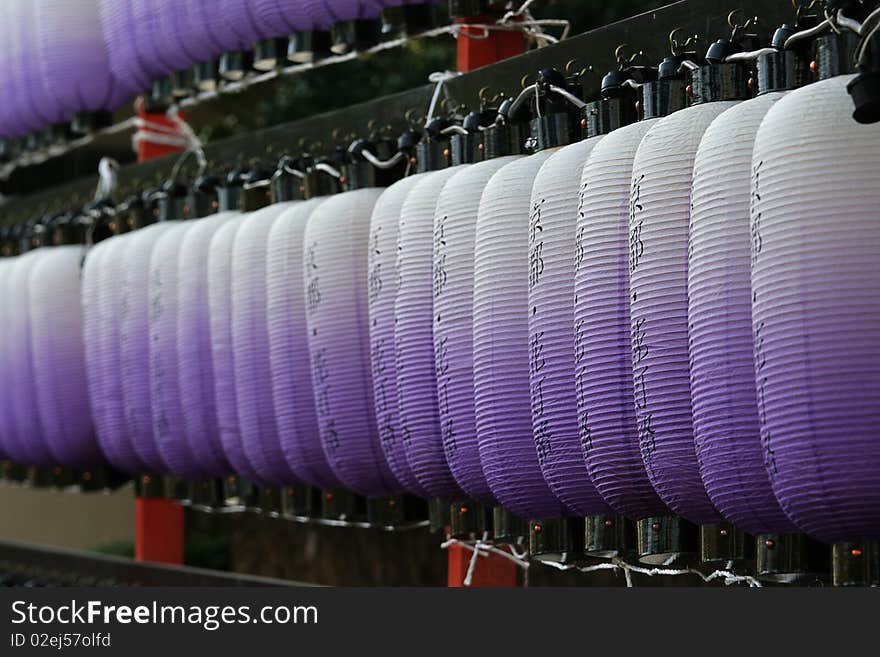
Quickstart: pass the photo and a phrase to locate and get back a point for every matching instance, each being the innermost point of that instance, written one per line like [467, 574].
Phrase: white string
[483, 548]
[438, 77]
[107, 178]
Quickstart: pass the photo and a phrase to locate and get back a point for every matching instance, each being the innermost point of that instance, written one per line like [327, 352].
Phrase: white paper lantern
[134, 342]
[335, 279]
[725, 401]
[195, 371]
[102, 275]
[250, 347]
[659, 217]
[292, 390]
[414, 343]
[501, 344]
[165, 306]
[552, 232]
[455, 221]
[382, 293]
[220, 313]
[816, 310]
[603, 352]
[59, 357]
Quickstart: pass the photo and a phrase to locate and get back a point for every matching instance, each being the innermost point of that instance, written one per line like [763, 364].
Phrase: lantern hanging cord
[824, 26]
[285, 166]
[570, 97]
[390, 163]
[438, 78]
[730, 578]
[326, 168]
[483, 548]
[108, 179]
[749, 55]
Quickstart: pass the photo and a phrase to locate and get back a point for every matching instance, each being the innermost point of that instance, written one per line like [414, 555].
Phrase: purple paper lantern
[134, 342]
[238, 23]
[421, 433]
[335, 282]
[660, 205]
[119, 27]
[25, 411]
[220, 313]
[603, 352]
[292, 390]
[9, 437]
[382, 292]
[501, 344]
[250, 347]
[58, 355]
[72, 56]
[552, 231]
[195, 370]
[816, 310]
[278, 18]
[348, 10]
[165, 392]
[455, 221]
[102, 273]
[725, 402]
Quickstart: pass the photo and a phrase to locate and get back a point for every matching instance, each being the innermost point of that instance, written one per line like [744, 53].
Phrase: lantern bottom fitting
[438, 515]
[343, 506]
[239, 495]
[560, 540]
[608, 536]
[469, 521]
[508, 528]
[722, 541]
[663, 540]
[207, 495]
[788, 558]
[856, 563]
[396, 512]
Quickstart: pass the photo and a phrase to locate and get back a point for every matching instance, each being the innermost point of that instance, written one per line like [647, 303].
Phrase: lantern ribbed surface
[320, 11]
[166, 404]
[39, 99]
[204, 35]
[292, 391]
[22, 68]
[25, 411]
[335, 272]
[501, 344]
[347, 10]
[250, 347]
[174, 30]
[414, 341]
[8, 437]
[277, 18]
[101, 289]
[73, 59]
[118, 27]
[59, 357]
[195, 369]
[603, 349]
[816, 310]
[146, 30]
[659, 218]
[726, 428]
[220, 314]
[382, 293]
[551, 251]
[455, 221]
[238, 23]
[134, 343]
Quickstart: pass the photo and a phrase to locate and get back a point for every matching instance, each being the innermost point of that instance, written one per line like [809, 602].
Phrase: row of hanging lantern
[652, 334]
[69, 63]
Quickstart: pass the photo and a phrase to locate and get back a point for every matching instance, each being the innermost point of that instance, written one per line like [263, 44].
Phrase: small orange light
[723, 532]
[328, 497]
[113, 226]
[609, 523]
[147, 479]
[480, 147]
[813, 66]
[412, 160]
[751, 83]
[231, 480]
[214, 205]
[770, 543]
[583, 123]
[856, 552]
[87, 476]
[462, 510]
[445, 152]
[538, 529]
[342, 180]
[655, 526]
[392, 504]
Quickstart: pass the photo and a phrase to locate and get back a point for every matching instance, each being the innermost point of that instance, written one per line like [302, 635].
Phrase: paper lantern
[659, 218]
[58, 356]
[551, 251]
[501, 344]
[102, 274]
[24, 112]
[250, 347]
[725, 404]
[134, 343]
[195, 369]
[238, 22]
[5, 78]
[455, 220]
[603, 354]
[320, 11]
[414, 343]
[174, 31]
[220, 314]
[348, 10]
[335, 280]
[816, 310]
[25, 412]
[11, 443]
[292, 391]
[382, 293]
[165, 392]
[72, 55]
[120, 35]
[277, 18]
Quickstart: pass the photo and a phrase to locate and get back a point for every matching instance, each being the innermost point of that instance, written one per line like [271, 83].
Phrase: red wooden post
[158, 525]
[490, 571]
[156, 135]
[497, 44]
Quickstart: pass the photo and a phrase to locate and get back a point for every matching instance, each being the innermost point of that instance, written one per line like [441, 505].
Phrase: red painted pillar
[158, 525]
[157, 135]
[490, 571]
[480, 51]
